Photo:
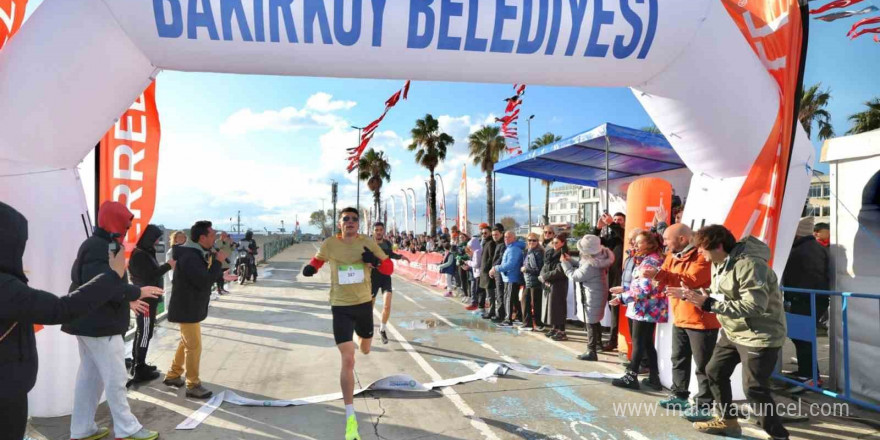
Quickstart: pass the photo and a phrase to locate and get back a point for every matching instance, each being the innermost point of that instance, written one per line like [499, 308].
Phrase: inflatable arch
[78, 64]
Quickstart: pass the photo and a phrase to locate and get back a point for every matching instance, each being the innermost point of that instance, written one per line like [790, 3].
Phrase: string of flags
[354, 154]
[855, 31]
[509, 121]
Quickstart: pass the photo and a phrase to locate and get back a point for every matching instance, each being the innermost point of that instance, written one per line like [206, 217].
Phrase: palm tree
[374, 168]
[486, 146]
[812, 110]
[651, 129]
[867, 120]
[544, 140]
[430, 145]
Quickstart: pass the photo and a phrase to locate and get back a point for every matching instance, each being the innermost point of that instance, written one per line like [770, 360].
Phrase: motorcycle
[243, 266]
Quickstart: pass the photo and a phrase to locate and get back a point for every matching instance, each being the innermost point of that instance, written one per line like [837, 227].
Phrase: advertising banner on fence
[130, 162]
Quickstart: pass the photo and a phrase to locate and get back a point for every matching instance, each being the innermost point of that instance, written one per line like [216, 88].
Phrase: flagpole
[528, 147]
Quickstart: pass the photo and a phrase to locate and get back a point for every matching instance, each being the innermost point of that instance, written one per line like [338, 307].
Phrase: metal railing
[803, 327]
[273, 248]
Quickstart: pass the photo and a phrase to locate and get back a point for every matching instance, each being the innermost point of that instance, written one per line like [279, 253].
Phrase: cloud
[315, 114]
[323, 102]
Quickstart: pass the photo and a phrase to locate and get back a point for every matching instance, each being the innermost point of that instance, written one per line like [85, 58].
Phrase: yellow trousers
[189, 353]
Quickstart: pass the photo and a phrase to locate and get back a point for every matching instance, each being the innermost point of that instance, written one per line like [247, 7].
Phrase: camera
[115, 247]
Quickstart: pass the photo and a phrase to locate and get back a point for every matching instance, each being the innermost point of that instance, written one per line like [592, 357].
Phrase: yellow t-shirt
[349, 276]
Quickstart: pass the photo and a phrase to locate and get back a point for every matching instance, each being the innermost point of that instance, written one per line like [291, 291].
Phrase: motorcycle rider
[250, 246]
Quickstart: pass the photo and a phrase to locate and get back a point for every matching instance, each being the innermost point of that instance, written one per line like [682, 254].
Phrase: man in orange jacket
[694, 331]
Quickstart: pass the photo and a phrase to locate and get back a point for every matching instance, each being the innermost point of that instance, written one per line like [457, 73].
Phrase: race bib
[351, 274]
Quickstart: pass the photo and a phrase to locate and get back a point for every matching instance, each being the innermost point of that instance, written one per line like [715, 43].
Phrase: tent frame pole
[607, 149]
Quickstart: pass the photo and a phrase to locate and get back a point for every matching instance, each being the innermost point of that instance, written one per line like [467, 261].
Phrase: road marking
[410, 299]
[635, 435]
[450, 393]
[479, 341]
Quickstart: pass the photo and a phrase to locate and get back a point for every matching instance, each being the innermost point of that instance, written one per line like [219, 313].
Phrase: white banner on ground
[401, 382]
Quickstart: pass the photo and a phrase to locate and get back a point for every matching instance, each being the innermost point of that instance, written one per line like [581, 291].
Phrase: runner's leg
[386, 308]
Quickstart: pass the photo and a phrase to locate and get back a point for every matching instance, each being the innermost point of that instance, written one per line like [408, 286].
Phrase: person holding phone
[99, 335]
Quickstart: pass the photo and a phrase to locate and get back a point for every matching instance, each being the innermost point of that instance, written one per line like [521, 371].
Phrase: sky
[268, 146]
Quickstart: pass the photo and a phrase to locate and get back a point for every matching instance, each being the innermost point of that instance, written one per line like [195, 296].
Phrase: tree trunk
[547, 204]
[490, 201]
[377, 196]
[432, 195]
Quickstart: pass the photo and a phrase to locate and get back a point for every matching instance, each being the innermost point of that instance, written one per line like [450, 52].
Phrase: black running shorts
[380, 283]
[352, 319]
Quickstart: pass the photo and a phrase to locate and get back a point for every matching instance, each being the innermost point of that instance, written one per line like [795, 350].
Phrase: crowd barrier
[803, 327]
[422, 267]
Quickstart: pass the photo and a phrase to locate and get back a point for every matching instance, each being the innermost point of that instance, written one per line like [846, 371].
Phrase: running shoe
[471, 307]
[384, 336]
[143, 434]
[351, 428]
[675, 402]
[719, 426]
[100, 433]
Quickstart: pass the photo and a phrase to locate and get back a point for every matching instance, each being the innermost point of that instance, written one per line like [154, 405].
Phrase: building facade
[819, 198]
[573, 204]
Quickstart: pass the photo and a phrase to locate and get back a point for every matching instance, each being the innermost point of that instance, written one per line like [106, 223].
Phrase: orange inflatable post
[644, 197]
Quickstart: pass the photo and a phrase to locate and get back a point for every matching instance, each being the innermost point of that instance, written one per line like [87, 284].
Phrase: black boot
[589, 356]
[143, 374]
[629, 380]
[653, 382]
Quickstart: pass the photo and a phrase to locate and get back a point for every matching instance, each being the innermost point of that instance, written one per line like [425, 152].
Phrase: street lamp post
[528, 147]
[358, 175]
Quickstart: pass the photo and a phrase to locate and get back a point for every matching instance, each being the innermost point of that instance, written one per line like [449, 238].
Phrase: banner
[775, 32]
[11, 17]
[462, 202]
[130, 162]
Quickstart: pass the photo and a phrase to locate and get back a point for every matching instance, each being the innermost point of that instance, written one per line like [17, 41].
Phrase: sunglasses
[533, 241]
[548, 232]
[350, 219]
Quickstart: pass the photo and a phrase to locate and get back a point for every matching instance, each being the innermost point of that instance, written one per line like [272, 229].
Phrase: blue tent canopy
[581, 159]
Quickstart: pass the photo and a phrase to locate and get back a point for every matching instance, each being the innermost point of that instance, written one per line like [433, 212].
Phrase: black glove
[309, 270]
[369, 257]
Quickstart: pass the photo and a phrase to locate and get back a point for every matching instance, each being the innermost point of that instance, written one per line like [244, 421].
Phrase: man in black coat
[807, 268]
[21, 307]
[500, 247]
[487, 282]
[99, 335]
[198, 267]
[145, 270]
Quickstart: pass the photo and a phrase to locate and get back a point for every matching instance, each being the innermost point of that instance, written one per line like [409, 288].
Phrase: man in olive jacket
[746, 299]
[196, 271]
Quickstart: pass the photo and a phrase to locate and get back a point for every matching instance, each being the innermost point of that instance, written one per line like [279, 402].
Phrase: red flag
[392, 101]
[521, 89]
[863, 22]
[406, 90]
[833, 5]
[864, 31]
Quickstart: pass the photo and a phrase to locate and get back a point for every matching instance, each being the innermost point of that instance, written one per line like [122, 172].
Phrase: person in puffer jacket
[647, 307]
[531, 269]
[592, 272]
[510, 269]
[478, 294]
[99, 336]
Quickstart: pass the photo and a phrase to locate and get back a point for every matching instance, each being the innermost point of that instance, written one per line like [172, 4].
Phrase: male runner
[383, 282]
[352, 257]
